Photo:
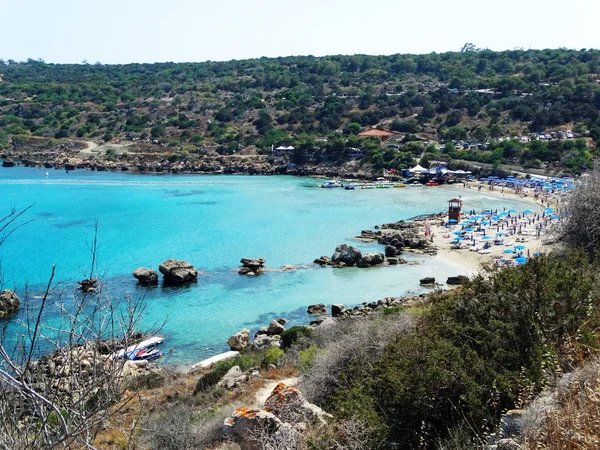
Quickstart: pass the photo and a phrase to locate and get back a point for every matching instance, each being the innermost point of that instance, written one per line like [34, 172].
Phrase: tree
[453, 118]
[352, 128]
[480, 133]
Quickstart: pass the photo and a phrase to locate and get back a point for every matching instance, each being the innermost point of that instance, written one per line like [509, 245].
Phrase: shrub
[307, 357]
[272, 356]
[291, 336]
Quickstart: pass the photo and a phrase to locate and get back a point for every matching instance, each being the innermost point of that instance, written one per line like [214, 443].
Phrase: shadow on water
[72, 223]
[179, 193]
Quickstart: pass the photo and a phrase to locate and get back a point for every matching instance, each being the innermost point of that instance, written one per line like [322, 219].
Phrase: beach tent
[418, 169]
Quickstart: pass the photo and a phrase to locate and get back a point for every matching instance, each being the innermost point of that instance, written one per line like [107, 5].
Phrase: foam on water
[212, 221]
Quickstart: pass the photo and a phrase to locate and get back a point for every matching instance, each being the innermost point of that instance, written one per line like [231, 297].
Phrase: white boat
[383, 183]
[146, 344]
[331, 184]
[368, 186]
[415, 184]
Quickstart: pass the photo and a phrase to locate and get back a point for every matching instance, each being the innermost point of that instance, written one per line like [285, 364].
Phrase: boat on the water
[368, 186]
[415, 184]
[399, 185]
[331, 184]
[349, 187]
[431, 183]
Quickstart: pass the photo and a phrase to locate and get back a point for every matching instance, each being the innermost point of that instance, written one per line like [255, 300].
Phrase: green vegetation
[474, 95]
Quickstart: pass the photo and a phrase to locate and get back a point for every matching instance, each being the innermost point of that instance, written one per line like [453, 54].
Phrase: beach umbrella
[500, 233]
[555, 217]
[528, 211]
[452, 221]
[457, 232]
[485, 222]
[459, 239]
[486, 238]
[468, 229]
[520, 247]
[512, 210]
[509, 250]
[522, 260]
[536, 254]
[548, 210]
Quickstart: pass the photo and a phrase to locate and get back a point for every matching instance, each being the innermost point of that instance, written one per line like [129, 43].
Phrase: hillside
[536, 109]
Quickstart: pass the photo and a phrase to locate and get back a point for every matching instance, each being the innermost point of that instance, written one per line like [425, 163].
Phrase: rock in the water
[427, 281]
[8, 163]
[290, 405]
[239, 340]
[337, 310]
[323, 260]
[252, 266]
[275, 328]
[458, 280]
[87, 285]
[288, 268]
[9, 303]
[390, 251]
[318, 308]
[264, 341]
[177, 272]
[146, 277]
[392, 261]
[371, 259]
[346, 254]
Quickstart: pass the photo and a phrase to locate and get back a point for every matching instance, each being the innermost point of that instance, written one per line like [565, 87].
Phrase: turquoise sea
[211, 221]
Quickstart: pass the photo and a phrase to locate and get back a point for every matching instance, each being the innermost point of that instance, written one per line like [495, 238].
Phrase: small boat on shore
[368, 186]
[145, 350]
[399, 185]
[431, 183]
[415, 184]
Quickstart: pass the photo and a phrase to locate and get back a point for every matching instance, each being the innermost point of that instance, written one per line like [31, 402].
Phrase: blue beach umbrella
[468, 229]
[522, 260]
[457, 232]
[452, 221]
[528, 211]
[555, 217]
[486, 238]
[508, 250]
[548, 210]
[512, 210]
[536, 254]
[485, 222]
[520, 247]
[501, 233]
[458, 239]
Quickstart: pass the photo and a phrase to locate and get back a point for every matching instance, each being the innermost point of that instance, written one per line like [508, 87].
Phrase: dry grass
[569, 419]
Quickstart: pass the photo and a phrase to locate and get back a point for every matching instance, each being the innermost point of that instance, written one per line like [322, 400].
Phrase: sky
[125, 31]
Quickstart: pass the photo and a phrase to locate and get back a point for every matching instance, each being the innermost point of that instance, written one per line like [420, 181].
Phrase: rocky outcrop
[371, 259]
[87, 285]
[8, 163]
[346, 255]
[396, 261]
[289, 404]
[323, 260]
[250, 428]
[146, 277]
[427, 281]
[458, 280]
[178, 272]
[240, 340]
[9, 303]
[264, 341]
[318, 308]
[252, 266]
[337, 310]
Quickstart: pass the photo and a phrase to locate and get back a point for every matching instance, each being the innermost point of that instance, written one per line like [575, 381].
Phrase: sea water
[211, 221]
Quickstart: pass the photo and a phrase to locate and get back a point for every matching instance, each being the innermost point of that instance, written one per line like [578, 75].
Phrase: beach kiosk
[454, 209]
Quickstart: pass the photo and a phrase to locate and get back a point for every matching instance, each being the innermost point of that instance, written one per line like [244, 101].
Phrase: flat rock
[145, 276]
[177, 271]
[318, 308]
[9, 303]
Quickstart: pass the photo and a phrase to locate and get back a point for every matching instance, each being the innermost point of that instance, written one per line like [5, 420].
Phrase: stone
[239, 340]
[281, 320]
[371, 259]
[392, 261]
[146, 277]
[246, 427]
[264, 341]
[261, 330]
[289, 405]
[178, 272]
[323, 260]
[288, 268]
[346, 254]
[9, 303]
[275, 328]
[337, 310]
[427, 281]
[318, 308]
[458, 280]
[87, 285]
[233, 377]
[390, 251]
[8, 163]
[252, 266]
[323, 322]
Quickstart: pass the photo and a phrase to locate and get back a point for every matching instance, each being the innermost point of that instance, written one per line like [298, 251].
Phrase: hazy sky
[121, 31]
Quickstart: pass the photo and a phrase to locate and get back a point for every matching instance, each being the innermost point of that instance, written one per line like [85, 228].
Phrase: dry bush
[568, 418]
[357, 342]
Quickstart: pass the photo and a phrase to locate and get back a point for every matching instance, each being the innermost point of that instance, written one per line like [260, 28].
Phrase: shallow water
[211, 222]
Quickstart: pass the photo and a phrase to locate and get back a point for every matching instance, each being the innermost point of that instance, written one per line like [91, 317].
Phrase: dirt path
[93, 148]
[263, 393]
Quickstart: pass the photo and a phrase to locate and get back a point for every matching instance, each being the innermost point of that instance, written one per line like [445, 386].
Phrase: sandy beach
[529, 231]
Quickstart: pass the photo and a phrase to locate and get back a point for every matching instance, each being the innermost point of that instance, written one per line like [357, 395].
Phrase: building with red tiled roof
[383, 135]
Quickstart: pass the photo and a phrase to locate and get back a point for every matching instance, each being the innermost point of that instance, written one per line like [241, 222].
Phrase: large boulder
[275, 327]
[9, 303]
[347, 255]
[264, 341]
[458, 280]
[337, 309]
[177, 272]
[239, 340]
[252, 266]
[234, 377]
[317, 308]
[146, 277]
[88, 285]
[427, 281]
[390, 251]
[371, 259]
[289, 405]
[250, 428]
